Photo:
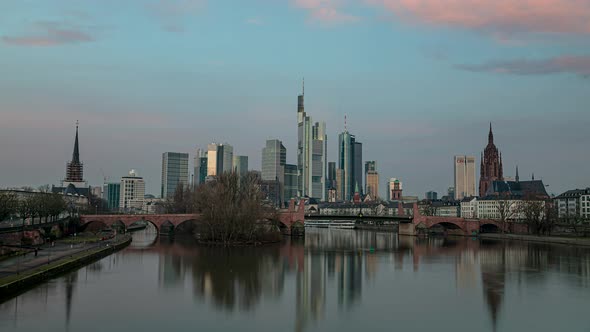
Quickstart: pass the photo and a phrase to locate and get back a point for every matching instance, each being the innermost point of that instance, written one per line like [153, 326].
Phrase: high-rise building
[350, 162]
[274, 158]
[111, 193]
[339, 185]
[132, 194]
[491, 166]
[464, 177]
[200, 167]
[371, 179]
[219, 158]
[174, 172]
[331, 175]
[291, 185]
[357, 170]
[241, 165]
[312, 146]
[394, 189]
[432, 195]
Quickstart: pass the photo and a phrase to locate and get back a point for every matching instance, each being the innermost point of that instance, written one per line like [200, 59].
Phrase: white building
[574, 204]
[469, 208]
[132, 192]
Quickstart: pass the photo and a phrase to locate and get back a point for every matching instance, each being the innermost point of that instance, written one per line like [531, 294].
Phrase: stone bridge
[455, 225]
[290, 218]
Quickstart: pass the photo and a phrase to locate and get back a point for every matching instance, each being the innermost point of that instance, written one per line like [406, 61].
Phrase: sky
[419, 81]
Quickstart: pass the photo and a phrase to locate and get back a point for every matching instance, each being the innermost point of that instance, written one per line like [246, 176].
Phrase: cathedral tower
[491, 165]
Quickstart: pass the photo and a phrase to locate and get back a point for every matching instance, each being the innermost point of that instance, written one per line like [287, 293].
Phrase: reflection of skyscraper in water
[350, 280]
[170, 270]
[311, 291]
[465, 269]
[493, 278]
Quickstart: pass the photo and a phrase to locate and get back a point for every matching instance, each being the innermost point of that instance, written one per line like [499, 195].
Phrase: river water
[332, 280]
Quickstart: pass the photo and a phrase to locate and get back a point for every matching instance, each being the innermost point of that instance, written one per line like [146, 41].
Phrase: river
[332, 280]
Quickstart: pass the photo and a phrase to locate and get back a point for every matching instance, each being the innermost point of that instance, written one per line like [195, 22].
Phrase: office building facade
[464, 171]
[132, 192]
[312, 146]
[174, 173]
[240, 164]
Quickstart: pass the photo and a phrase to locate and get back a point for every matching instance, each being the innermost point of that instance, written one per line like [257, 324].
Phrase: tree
[26, 208]
[533, 213]
[507, 208]
[8, 205]
[232, 210]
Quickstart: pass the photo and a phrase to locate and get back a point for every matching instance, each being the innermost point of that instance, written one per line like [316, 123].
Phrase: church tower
[491, 165]
[75, 168]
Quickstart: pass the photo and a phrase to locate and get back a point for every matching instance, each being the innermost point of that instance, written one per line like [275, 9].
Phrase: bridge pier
[408, 229]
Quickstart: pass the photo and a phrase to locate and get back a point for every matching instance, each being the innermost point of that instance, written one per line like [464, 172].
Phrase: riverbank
[541, 239]
[15, 279]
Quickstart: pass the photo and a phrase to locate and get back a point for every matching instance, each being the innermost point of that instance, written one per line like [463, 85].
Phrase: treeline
[232, 209]
[42, 207]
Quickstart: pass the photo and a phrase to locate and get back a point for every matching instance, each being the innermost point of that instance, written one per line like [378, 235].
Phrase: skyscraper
[312, 147]
[219, 158]
[241, 165]
[291, 185]
[357, 170]
[350, 162]
[274, 158]
[491, 166]
[372, 179]
[464, 177]
[200, 167]
[331, 175]
[174, 172]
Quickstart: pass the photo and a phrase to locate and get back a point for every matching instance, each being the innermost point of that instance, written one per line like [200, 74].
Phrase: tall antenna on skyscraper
[303, 92]
[345, 125]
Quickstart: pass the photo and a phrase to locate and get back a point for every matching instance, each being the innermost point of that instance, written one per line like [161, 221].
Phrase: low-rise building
[574, 204]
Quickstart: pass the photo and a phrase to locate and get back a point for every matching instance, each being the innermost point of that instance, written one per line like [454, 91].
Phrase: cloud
[579, 65]
[173, 13]
[50, 34]
[325, 11]
[499, 17]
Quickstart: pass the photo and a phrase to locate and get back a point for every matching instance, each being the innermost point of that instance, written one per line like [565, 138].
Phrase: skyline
[418, 89]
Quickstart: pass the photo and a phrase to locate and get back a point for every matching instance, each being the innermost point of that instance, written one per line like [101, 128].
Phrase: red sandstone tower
[491, 165]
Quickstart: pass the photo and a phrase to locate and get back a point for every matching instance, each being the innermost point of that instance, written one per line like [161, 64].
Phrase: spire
[76, 154]
[303, 91]
[491, 135]
[345, 125]
[533, 176]
[517, 177]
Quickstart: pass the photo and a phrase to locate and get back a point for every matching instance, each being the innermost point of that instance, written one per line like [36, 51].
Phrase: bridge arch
[489, 227]
[185, 226]
[95, 226]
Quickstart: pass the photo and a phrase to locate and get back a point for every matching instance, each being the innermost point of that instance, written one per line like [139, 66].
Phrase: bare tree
[507, 208]
[8, 205]
[533, 212]
[232, 210]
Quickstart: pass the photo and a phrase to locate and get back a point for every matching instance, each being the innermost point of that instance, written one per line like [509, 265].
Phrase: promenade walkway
[46, 255]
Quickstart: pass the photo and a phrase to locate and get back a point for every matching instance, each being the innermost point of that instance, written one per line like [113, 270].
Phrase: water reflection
[328, 274]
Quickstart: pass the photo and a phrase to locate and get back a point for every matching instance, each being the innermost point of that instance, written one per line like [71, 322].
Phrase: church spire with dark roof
[517, 178]
[491, 135]
[76, 155]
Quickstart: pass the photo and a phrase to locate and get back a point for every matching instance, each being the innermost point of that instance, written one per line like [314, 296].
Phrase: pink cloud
[50, 34]
[173, 13]
[496, 16]
[326, 11]
[579, 65]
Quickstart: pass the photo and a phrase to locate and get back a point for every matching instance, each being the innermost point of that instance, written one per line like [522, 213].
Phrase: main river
[333, 280]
